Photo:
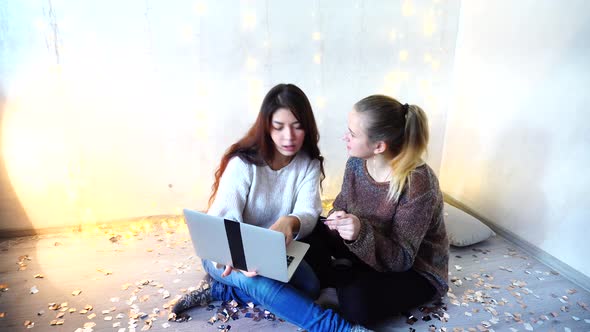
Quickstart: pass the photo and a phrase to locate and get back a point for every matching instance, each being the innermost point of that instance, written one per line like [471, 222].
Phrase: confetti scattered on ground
[126, 277]
[484, 296]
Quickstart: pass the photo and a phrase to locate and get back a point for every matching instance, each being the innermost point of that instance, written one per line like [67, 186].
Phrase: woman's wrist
[293, 223]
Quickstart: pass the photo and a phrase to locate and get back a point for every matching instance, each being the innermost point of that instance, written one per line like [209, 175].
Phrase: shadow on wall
[516, 171]
[11, 210]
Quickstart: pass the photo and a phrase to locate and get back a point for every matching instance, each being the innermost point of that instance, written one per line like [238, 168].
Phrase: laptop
[244, 246]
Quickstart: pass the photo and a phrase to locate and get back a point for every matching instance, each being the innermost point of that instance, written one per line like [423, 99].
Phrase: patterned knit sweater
[402, 235]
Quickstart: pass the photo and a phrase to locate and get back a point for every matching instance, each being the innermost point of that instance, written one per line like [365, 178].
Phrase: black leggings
[365, 295]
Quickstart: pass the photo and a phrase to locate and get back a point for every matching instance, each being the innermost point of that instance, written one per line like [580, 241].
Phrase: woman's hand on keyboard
[286, 225]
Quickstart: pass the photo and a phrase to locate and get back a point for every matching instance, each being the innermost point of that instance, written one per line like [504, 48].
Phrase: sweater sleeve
[308, 204]
[233, 191]
[340, 201]
[396, 252]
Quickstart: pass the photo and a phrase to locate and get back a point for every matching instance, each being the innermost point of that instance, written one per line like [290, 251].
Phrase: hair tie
[406, 108]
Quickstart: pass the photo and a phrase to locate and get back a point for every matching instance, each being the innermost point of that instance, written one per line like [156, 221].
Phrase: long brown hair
[257, 147]
[404, 128]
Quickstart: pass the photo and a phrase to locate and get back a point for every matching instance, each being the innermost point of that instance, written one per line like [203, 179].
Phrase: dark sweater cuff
[357, 244]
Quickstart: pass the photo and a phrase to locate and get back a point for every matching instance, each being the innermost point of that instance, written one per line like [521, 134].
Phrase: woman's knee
[356, 306]
[212, 269]
[263, 289]
[306, 280]
[208, 266]
[312, 288]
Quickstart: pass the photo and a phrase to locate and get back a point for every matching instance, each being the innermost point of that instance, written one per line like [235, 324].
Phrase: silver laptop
[244, 246]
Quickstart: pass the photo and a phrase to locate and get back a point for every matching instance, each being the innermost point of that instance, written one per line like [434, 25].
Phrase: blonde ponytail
[405, 130]
[414, 145]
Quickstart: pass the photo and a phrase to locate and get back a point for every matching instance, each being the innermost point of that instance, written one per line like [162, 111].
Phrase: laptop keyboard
[289, 259]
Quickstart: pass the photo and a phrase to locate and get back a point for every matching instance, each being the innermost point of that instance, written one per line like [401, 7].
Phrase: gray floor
[121, 270]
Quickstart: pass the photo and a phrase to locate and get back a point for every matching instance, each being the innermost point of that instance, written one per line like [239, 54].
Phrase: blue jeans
[291, 301]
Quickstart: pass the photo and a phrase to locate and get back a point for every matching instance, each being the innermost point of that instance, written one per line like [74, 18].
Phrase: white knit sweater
[258, 195]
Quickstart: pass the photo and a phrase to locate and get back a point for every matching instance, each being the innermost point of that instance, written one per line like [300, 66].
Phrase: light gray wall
[517, 136]
[119, 109]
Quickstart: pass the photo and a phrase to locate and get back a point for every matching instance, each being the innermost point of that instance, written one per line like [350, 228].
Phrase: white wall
[516, 144]
[117, 109]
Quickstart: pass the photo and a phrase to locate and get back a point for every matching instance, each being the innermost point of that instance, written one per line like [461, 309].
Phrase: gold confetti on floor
[144, 267]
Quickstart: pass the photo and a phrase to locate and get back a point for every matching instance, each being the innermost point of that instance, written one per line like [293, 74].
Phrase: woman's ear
[380, 147]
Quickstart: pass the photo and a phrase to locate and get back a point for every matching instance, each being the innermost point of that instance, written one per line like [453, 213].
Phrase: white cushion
[463, 229]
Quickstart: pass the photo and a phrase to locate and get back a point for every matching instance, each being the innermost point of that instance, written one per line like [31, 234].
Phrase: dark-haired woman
[270, 178]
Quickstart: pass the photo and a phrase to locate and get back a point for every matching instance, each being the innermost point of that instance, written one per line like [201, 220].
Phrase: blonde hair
[404, 128]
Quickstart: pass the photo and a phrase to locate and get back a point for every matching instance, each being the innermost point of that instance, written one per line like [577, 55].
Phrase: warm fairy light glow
[249, 20]
[200, 8]
[201, 88]
[393, 82]
[85, 242]
[424, 86]
[187, 33]
[57, 144]
[317, 58]
[403, 55]
[251, 63]
[393, 35]
[429, 25]
[201, 131]
[201, 113]
[320, 103]
[408, 8]
[113, 123]
[327, 205]
[435, 64]
[255, 95]
[41, 25]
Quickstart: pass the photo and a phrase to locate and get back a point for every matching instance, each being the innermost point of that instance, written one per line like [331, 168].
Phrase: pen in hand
[331, 219]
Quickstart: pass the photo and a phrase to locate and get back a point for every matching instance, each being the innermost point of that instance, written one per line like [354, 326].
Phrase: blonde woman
[387, 221]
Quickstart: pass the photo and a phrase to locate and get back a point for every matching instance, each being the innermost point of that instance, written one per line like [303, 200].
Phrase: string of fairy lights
[255, 25]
